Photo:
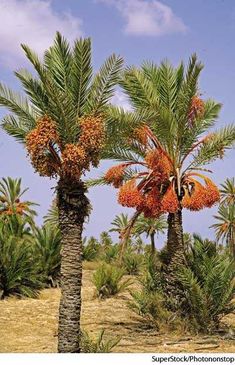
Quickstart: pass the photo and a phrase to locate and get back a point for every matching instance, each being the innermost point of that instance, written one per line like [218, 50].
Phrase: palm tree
[61, 122]
[151, 227]
[120, 224]
[11, 199]
[227, 192]
[225, 228]
[52, 216]
[163, 145]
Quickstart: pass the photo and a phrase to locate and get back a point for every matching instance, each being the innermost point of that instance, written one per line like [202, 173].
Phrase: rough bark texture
[175, 255]
[152, 238]
[73, 207]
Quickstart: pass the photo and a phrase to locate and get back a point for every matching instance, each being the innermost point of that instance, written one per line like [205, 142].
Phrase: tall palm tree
[225, 228]
[61, 122]
[164, 144]
[151, 227]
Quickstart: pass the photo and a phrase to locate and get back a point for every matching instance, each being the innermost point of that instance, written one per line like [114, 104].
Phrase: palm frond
[102, 87]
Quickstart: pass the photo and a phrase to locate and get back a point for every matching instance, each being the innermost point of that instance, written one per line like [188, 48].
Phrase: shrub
[110, 253]
[90, 249]
[108, 281]
[132, 263]
[18, 270]
[151, 279]
[47, 251]
[98, 345]
[151, 308]
[209, 286]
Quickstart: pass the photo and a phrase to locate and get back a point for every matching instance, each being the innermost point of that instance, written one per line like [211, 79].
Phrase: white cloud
[147, 17]
[33, 22]
[120, 99]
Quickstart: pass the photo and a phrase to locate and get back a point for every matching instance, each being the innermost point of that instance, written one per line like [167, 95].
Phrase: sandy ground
[30, 325]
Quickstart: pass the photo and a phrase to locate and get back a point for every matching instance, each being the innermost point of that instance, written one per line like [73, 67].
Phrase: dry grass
[30, 325]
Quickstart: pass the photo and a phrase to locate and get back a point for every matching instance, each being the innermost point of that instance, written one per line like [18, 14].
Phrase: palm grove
[67, 124]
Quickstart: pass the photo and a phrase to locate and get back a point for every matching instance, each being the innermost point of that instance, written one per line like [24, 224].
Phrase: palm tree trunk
[175, 254]
[152, 238]
[73, 207]
[175, 244]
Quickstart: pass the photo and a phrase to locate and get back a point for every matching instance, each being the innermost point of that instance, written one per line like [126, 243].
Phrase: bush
[110, 253]
[18, 270]
[97, 345]
[132, 263]
[151, 308]
[90, 249]
[209, 286]
[151, 279]
[108, 281]
[47, 251]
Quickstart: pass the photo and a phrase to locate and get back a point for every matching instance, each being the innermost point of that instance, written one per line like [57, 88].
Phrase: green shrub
[100, 344]
[209, 286]
[132, 263]
[18, 269]
[90, 249]
[110, 253]
[109, 281]
[47, 251]
[151, 308]
[151, 279]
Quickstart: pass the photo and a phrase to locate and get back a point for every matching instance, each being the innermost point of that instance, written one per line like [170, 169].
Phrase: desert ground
[30, 325]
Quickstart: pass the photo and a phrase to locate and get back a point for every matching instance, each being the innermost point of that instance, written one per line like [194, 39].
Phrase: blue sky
[137, 30]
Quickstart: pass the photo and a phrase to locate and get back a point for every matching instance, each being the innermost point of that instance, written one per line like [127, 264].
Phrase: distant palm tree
[227, 192]
[105, 239]
[62, 123]
[11, 201]
[225, 228]
[151, 227]
[120, 224]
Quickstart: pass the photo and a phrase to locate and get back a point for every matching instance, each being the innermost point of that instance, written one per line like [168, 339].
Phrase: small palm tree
[47, 243]
[62, 123]
[151, 227]
[52, 216]
[225, 228]
[11, 199]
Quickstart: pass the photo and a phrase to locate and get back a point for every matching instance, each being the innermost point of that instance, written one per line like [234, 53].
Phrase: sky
[138, 30]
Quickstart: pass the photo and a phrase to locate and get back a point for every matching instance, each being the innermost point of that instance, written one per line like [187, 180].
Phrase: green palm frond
[81, 73]
[102, 87]
[228, 191]
[215, 146]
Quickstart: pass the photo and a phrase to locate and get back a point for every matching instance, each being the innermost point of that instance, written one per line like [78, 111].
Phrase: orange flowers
[151, 205]
[212, 193]
[201, 196]
[129, 196]
[140, 135]
[197, 109]
[157, 161]
[92, 137]
[49, 157]
[37, 145]
[73, 160]
[114, 175]
[170, 201]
